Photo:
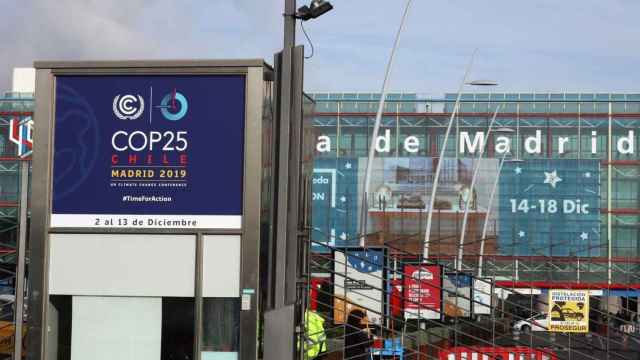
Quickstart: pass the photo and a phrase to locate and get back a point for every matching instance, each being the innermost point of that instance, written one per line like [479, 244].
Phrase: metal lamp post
[285, 311]
[376, 128]
[485, 227]
[474, 177]
[436, 176]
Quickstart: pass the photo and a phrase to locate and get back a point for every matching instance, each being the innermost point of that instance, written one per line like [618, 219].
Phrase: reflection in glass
[220, 325]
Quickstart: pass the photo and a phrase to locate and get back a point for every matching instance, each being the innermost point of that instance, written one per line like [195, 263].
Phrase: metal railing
[427, 338]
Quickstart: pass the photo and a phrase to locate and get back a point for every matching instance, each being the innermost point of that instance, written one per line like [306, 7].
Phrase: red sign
[396, 297]
[422, 288]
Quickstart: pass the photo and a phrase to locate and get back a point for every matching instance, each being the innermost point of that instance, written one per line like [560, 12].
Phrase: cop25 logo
[128, 107]
[174, 106]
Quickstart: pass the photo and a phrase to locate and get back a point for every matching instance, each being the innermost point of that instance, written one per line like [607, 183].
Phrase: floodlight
[316, 9]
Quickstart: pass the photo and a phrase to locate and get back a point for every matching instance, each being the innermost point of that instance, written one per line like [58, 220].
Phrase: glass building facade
[565, 210]
[566, 202]
[16, 111]
[17, 108]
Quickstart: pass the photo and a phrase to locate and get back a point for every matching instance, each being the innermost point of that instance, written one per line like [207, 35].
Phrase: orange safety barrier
[496, 353]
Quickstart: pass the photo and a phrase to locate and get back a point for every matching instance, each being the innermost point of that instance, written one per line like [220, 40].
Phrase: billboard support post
[22, 246]
[287, 185]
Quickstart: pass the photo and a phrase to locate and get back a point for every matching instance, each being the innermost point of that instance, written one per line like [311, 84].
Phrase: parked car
[539, 322]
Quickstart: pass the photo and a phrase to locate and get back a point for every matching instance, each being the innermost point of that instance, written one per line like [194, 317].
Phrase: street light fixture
[316, 9]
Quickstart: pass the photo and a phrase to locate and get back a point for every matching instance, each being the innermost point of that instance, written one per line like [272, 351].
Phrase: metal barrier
[398, 336]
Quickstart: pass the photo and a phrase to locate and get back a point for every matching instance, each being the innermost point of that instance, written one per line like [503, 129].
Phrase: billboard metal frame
[256, 73]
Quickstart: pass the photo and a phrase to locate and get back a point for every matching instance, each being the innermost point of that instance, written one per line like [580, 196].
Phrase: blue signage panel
[148, 151]
[335, 202]
[550, 208]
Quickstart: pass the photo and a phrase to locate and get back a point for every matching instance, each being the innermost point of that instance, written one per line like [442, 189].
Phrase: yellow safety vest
[315, 342]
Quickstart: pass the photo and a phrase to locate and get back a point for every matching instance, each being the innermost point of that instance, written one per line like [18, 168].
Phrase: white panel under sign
[221, 266]
[124, 221]
[107, 328]
[358, 284]
[219, 355]
[122, 265]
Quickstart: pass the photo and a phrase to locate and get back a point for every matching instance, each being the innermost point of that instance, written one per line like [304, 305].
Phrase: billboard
[482, 296]
[422, 291]
[550, 208]
[334, 200]
[456, 288]
[396, 297]
[148, 151]
[400, 190]
[569, 311]
[358, 284]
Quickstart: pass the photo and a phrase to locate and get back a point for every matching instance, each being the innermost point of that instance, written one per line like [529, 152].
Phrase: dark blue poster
[550, 208]
[148, 151]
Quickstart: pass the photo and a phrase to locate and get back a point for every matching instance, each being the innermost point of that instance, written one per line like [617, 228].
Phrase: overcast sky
[543, 45]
